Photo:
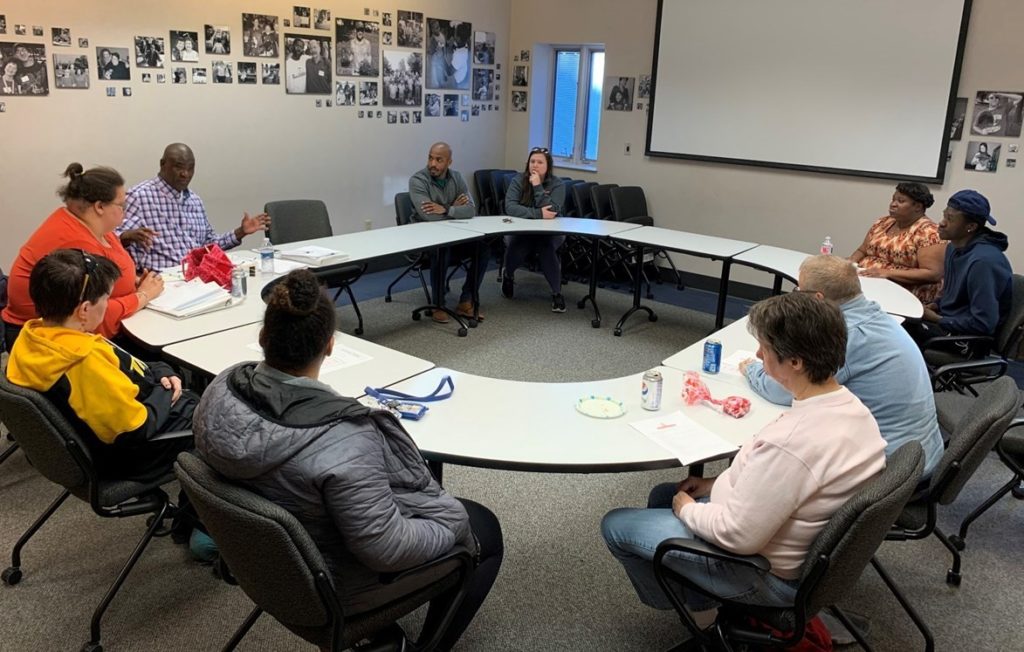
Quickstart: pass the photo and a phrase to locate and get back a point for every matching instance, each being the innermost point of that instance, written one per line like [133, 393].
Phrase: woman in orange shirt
[93, 208]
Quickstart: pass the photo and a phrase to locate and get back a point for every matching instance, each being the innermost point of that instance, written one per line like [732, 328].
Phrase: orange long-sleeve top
[62, 230]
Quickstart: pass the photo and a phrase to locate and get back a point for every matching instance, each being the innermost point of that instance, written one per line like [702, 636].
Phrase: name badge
[320, 72]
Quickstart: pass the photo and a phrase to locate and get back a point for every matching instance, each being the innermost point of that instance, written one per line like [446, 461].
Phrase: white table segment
[684, 242]
[365, 245]
[496, 225]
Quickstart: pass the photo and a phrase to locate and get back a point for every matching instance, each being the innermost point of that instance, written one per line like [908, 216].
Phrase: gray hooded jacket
[352, 476]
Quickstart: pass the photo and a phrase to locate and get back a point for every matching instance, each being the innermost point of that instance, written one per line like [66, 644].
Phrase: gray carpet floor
[559, 589]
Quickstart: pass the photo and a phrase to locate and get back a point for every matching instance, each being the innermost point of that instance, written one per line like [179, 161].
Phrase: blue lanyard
[384, 394]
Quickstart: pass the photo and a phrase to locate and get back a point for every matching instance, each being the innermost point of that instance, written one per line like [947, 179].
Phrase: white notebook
[313, 255]
[189, 298]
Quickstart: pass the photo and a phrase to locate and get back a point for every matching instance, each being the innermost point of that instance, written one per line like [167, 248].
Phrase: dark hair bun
[297, 294]
[74, 171]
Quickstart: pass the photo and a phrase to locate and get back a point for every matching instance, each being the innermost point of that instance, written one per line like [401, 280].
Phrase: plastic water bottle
[826, 245]
[267, 257]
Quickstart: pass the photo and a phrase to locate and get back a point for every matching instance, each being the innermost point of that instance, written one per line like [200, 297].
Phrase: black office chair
[293, 220]
[629, 204]
[834, 562]
[276, 563]
[418, 262]
[981, 426]
[498, 186]
[583, 198]
[950, 407]
[601, 196]
[950, 371]
[484, 192]
[54, 448]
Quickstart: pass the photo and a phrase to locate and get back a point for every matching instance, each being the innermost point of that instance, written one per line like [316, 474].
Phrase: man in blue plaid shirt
[164, 220]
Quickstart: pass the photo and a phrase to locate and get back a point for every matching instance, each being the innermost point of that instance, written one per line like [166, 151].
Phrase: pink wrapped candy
[695, 391]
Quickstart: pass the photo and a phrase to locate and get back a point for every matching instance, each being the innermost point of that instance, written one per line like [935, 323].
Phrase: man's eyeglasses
[90, 270]
[539, 150]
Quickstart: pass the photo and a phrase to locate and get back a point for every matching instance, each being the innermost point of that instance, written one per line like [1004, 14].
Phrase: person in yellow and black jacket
[117, 403]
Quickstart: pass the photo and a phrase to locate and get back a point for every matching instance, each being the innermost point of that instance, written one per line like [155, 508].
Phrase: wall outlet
[629, 149]
[367, 225]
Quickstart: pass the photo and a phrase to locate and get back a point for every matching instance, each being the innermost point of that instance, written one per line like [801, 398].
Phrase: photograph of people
[483, 85]
[368, 93]
[218, 39]
[318, 65]
[433, 105]
[110, 64]
[518, 100]
[28, 74]
[448, 54]
[259, 35]
[997, 113]
[520, 76]
[71, 71]
[980, 158]
[358, 48]
[322, 19]
[410, 29]
[300, 17]
[403, 78]
[619, 97]
[483, 48]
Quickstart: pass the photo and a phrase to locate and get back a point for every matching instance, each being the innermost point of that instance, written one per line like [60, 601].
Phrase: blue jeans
[633, 535]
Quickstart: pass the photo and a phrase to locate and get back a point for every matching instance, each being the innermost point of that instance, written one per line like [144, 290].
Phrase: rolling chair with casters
[950, 406]
[292, 220]
[950, 371]
[984, 422]
[418, 262]
[835, 561]
[276, 563]
[629, 204]
[56, 451]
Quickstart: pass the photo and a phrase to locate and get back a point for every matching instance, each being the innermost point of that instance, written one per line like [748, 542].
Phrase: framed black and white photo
[476, 110]
[61, 36]
[307, 65]
[322, 19]
[483, 84]
[149, 51]
[997, 113]
[20, 30]
[83, 42]
[222, 73]
[37, 30]
[300, 17]
[520, 76]
[380, 114]
[982, 156]
[403, 78]
[218, 39]
[362, 114]
[147, 77]
[70, 71]
[184, 46]
[403, 117]
[643, 89]
[392, 117]
[956, 126]
[410, 29]
[368, 93]
[271, 73]
[451, 105]
[246, 72]
[112, 63]
[433, 105]
[448, 54]
[3, 24]
[385, 38]
[618, 94]
[161, 78]
[24, 69]
[385, 19]
[483, 48]
[180, 76]
[358, 48]
[111, 91]
[524, 55]
[199, 75]
[260, 36]
[126, 91]
[519, 100]
[417, 117]
[345, 93]
[464, 115]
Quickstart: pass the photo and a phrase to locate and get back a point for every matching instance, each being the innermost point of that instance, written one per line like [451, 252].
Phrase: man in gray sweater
[440, 193]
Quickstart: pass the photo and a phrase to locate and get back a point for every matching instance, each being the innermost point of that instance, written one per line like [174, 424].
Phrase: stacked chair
[629, 204]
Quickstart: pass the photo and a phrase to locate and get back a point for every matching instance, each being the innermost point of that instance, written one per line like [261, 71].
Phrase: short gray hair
[835, 277]
[800, 326]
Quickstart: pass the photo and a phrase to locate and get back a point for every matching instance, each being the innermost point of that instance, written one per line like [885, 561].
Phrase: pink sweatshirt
[787, 482]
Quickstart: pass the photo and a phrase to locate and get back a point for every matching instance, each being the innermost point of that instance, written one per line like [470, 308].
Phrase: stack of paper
[314, 255]
[185, 299]
[686, 439]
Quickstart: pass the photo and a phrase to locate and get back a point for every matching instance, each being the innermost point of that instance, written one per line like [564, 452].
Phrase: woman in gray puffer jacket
[351, 475]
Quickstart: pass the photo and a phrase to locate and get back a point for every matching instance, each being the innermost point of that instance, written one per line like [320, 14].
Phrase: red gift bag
[210, 264]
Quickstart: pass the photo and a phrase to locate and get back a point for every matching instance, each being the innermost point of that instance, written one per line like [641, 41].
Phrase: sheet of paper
[683, 437]
[282, 266]
[341, 358]
[731, 365]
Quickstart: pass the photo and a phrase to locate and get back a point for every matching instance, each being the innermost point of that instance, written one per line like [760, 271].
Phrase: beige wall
[252, 143]
[784, 208]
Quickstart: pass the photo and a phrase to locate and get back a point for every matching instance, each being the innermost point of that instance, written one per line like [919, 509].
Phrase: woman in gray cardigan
[351, 475]
[535, 194]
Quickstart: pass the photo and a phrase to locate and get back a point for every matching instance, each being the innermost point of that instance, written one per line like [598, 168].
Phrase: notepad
[190, 298]
[686, 439]
[314, 255]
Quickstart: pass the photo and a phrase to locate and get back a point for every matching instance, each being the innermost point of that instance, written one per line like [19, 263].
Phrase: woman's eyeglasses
[90, 270]
[539, 150]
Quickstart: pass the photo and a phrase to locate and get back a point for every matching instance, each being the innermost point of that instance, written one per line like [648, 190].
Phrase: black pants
[922, 331]
[487, 529]
[10, 334]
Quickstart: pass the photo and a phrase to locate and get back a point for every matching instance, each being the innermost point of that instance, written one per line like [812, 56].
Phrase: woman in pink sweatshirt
[783, 485]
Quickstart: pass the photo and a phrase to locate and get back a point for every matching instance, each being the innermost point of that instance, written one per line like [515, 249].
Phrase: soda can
[650, 390]
[712, 357]
[238, 283]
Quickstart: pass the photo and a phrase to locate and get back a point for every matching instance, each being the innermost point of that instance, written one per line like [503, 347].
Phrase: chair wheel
[957, 542]
[1018, 492]
[92, 647]
[617, 332]
[581, 304]
[415, 315]
[463, 332]
[595, 323]
[652, 317]
[11, 576]
[387, 298]
[472, 323]
[953, 579]
[358, 331]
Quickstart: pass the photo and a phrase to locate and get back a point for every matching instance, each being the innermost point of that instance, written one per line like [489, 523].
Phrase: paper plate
[600, 407]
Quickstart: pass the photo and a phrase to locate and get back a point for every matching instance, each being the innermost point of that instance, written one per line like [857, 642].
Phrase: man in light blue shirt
[884, 367]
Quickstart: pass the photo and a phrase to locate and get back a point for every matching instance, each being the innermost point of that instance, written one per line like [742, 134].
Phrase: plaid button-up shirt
[179, 218]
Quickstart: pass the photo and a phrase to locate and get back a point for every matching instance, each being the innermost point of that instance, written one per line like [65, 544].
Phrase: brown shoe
[465, 309]
[440, 316]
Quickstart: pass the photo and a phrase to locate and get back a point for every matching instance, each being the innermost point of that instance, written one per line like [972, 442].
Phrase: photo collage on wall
[996, 115]
[380, 59]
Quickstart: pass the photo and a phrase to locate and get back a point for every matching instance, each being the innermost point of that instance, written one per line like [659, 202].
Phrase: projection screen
[859, 87]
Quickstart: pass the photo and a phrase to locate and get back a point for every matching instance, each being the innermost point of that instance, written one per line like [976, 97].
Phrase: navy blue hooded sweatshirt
[976, 290]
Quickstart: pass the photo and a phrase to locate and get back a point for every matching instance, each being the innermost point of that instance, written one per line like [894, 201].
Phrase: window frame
[578, 159]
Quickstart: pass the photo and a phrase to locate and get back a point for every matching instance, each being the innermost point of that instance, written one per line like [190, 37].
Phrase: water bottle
[826, 246]
[267, 257]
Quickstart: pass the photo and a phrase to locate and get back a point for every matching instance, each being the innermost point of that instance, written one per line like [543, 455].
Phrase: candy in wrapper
[695, 391]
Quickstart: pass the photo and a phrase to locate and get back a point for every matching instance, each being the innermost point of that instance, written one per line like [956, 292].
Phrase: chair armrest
[973, 366]
[177, 434]
[941, 339]
[460, 554]
[705, 549]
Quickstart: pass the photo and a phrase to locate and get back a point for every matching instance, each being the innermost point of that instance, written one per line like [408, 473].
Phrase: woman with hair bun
[904, 246]
[350, 474]
[93, 208]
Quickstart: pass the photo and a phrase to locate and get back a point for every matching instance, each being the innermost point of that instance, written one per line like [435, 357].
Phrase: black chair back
[569, 208]
[498, 190]
[292, 220]
[627, 202]
[601, 195]
[484, 192]
[1009, 336]
[583, 197]
[404, 210]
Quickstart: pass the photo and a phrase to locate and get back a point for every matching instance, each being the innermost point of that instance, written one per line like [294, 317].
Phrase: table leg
[723, 293]
[696, 470]
[638, 281]
[777, 285]
[592, 294]
[437, 470]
